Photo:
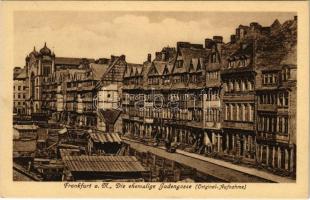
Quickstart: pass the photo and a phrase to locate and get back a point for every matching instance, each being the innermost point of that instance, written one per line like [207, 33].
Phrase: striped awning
[105, 137]
[85, 163]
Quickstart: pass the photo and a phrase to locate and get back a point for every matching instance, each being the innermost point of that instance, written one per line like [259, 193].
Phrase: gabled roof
[190, 56]
[109, 115]
[98, 70]
[21, 75]
[279, 48]
[153, 70]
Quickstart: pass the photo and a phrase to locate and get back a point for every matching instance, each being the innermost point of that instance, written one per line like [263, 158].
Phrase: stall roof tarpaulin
[105, 137]
[63, 131]
[86, 163]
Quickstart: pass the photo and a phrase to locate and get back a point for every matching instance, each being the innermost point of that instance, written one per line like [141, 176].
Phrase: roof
[70, 61]
[190, 57]
[133, 70]
[86, 163]
[98, 70]
[105, 137]
[280, 47]
[25, 127]
[24, 145]
[109, 115]
[21, 75]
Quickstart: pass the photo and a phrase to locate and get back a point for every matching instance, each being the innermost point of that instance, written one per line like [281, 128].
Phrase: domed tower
[47, 61]
[39, 65]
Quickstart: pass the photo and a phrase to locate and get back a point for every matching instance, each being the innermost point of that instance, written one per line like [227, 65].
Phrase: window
[286, 125]
[46, 70]
[251, 113]
[286, 99]
[237, 112]
[108, 95]
[226, 112]
[243, 112]
[250, 85]
[179, 63]
[231, 86]
[280, 124]
[18, 95]
[242, 85]
[19, 88]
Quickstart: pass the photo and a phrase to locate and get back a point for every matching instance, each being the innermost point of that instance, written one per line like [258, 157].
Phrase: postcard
[155, 99]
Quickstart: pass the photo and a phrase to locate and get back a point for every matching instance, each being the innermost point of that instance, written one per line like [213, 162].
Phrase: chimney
[163, 56]
[158, 55]
[232, 39]
[183, 45]
[218, 39]
[208, 43]
[149, 57]
[113, 58]
[123, 57]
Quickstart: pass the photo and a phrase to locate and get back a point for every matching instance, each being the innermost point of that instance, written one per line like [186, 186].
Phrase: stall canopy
[86, 163]
[105, 137]
[63, 131]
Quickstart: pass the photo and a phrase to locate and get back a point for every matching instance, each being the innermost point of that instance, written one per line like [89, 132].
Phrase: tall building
[19, 91]
[235, 100]
[276, 98]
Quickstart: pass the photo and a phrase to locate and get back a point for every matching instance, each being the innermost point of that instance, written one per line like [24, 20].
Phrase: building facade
[214, 99]
[20, 90]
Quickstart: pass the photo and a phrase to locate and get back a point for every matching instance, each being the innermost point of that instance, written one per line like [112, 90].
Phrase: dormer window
[179, 63]
[198, 65]
[285, 74]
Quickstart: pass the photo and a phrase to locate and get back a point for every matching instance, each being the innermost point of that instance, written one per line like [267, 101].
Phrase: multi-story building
[213, 96]
[276, 100]
[212, 99]
[238, 76]
[19, 91]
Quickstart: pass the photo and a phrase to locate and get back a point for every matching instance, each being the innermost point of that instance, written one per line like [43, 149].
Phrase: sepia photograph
[154, 99]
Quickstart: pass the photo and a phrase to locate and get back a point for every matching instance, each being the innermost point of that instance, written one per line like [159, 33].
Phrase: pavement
[218, 168]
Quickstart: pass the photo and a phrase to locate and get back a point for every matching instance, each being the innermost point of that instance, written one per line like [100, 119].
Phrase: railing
[239, 125]
[276, 137]
[212, 104]
[212, 125]
[194, 104]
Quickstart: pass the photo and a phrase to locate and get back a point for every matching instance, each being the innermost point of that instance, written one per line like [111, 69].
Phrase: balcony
[194, 104]
[195, 124]
[267, 107]
[273, 137]
[86, 88]
[148, 120]
[238, 97]
[69, 89]
[249, 126]
[213, 83]
[212, 104]
[212, 125]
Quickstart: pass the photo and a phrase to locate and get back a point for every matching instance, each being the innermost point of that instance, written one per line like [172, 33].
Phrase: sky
[134, 34]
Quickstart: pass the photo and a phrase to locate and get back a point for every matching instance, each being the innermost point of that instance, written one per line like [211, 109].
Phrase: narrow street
[217, 168]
